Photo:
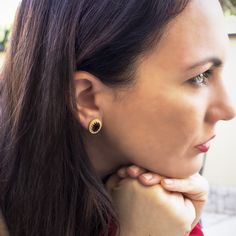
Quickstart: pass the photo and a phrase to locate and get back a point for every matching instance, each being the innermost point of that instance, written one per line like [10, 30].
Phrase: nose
[221, 107]
[228, 112]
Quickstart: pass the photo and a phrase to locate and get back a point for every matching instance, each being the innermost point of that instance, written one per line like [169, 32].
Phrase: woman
[91, 87]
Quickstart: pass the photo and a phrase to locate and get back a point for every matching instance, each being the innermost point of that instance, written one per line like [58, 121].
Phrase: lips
[204, 147]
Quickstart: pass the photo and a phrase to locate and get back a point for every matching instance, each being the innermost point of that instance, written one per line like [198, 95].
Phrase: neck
[104, 157]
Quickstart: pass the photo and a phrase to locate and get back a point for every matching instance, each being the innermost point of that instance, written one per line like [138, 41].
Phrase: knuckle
[159, 193]
[156, 176]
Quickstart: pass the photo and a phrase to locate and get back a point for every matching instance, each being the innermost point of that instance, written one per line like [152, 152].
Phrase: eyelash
[201, 79]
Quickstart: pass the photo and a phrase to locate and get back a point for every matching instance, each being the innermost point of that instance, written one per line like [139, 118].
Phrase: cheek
[157, 132]
[169, 122]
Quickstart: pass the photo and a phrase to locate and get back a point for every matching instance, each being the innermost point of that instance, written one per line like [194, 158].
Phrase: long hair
[47, 184]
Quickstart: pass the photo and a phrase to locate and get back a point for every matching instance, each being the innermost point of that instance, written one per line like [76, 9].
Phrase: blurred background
[219, 217]
[7, 12]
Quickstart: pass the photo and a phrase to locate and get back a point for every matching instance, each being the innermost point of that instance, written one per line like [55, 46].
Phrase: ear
[88, 91]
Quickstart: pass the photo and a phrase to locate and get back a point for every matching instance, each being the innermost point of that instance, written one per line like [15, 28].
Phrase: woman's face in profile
[179, 96]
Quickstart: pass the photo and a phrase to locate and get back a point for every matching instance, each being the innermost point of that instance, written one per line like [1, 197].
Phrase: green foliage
[4, 35]
[229, 6]
[233, 2]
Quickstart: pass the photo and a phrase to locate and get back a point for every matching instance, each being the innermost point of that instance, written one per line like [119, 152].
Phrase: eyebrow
[216, 62]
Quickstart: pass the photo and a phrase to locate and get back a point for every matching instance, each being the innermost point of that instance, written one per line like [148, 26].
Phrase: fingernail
[168, 181]
[147, 176]
[134, 169]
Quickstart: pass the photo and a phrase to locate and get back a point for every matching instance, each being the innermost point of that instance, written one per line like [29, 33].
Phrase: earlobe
[95, 126]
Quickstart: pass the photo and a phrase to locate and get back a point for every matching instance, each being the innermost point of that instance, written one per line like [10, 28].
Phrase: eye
[201, 79]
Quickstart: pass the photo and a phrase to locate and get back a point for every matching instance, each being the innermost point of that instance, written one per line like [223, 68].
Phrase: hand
[194, 188]
[151, 210]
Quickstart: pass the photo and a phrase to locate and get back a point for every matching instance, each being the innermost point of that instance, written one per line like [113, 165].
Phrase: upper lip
[213, 136]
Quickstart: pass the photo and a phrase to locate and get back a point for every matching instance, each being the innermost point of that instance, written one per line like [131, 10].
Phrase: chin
[182, 175]
[191, 171]
[185, 173]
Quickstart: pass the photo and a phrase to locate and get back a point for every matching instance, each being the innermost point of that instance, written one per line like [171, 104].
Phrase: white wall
[220, 166]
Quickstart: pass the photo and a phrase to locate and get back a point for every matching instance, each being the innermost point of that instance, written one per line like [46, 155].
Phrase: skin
[157, 123]
[140, 208]
[194, 188]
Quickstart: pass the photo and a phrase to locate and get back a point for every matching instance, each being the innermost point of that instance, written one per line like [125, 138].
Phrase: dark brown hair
[47, 183]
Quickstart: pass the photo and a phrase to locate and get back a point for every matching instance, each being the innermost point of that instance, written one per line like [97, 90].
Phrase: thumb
[195, 187]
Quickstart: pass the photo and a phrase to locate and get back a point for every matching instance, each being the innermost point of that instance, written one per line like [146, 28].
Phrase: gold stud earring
[95, 126]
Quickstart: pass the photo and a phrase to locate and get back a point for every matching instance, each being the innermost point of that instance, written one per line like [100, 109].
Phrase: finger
[135, 171]
[112, 182]
[195, 188]
[150, 179]
[194, 185]
[191, 212]
[122, 172]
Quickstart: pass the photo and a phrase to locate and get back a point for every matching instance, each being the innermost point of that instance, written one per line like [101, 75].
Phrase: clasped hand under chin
[149, 204]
